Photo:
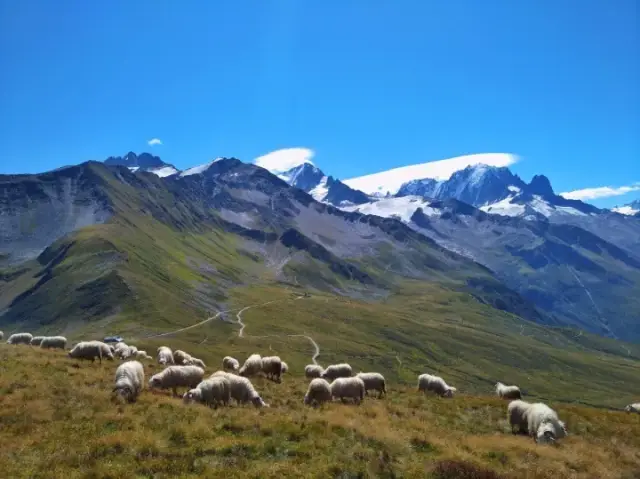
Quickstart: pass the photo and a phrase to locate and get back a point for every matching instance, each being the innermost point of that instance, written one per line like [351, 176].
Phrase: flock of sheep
[232, 382]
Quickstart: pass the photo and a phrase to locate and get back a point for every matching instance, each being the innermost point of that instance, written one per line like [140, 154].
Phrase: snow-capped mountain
[143, 162]
[388, 183]
[630, 209]
[326, 189]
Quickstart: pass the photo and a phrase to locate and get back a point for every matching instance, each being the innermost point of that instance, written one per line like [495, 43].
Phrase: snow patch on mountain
[196, 170]
[282, 161]
[505, 208]
[401, 208]
[625, 210]
[163, 171]
[389, 182]
[320, 191]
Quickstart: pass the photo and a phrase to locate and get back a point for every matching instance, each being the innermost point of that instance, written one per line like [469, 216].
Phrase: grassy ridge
[57, 420]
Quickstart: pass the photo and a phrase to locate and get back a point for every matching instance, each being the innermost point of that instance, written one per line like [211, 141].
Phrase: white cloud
[154, 141]
[279, 161]
[600, 192]
[391, 180]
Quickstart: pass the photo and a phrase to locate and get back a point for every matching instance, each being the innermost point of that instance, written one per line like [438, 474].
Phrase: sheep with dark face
[635, 407]
[129, 380]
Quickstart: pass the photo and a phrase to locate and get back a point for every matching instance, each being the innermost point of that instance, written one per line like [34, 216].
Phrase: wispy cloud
[279, 161]
[154, 142]
[600, 192]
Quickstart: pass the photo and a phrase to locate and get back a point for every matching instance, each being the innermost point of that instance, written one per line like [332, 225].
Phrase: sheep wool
[180, 358]
[313, 371]
[435, 384]
[335, 371]
[272, 368]
[174, 377]
[508, 392]
[635, 407]
[1, 335]
[543, 424]
[517, 416]
[318, 392]
[129, 380]
[142, 355]
[211, 392]
[373, 382]
[252, 366]
[20, 338]
[36, 340]
[91, 350]
[243, 391]
[285, 367]
[348, 388]
[230, 363]
[54, 342]
[165, 356]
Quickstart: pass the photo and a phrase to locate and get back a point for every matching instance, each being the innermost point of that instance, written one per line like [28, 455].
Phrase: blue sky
[366, 84]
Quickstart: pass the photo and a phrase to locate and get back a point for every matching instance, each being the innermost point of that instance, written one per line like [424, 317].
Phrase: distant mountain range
[109, 236]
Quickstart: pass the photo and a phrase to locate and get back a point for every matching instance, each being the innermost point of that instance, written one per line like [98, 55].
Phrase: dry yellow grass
[57, 420]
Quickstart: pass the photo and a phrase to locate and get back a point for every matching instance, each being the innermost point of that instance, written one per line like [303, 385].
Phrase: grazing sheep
[142, 355]
[91, 350]
[313, 371]
[243, 391]
[230, 363]
[119, 346]
[543, 424]
[517, 415]
[123, 352]
[129, 380]
[373, 382]
[174, 377]
[180, 358]
[318, 392]
[348, 388]
[508, 392]
[221, 373]
[435, 384]
[54, 342]
[335, 371]
[635, 407]
[197, 362]
[272, 368]
[211, 392]
[165, 356]
[36, 340]
[20, 338]
[252, 366]
[285, 367]
[133, 350]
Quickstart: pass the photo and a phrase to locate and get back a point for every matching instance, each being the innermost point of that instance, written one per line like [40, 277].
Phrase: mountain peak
[540, 185]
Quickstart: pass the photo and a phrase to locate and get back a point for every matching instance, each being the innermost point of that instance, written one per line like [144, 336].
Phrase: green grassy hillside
[57, 420]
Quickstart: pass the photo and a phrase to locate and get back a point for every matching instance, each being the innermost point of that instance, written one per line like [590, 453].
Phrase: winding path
[311, 340]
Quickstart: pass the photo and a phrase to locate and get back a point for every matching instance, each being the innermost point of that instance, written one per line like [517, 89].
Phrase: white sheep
[285, 367]
[318, 392]
[129, 380]
[180, 358]
[435, 384]
[133, 351]
[313, 371]
[243, 391]
[91, 350]
[230, 363]
[635, 407]
[543, 424]
[508, 392]
[20, 338]
[54, 342]
[373, 382]
[210, 392]
[517, 416]
[252, 366]
[272, 368]
[142, 355]
[123, 352]
[165, 356]
[221, 373]
[36, 340]
[348, 388]
[1, 335]
[335, 371]
[174, 377]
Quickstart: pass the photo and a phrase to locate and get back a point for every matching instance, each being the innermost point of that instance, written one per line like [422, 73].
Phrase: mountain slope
[575, 276]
